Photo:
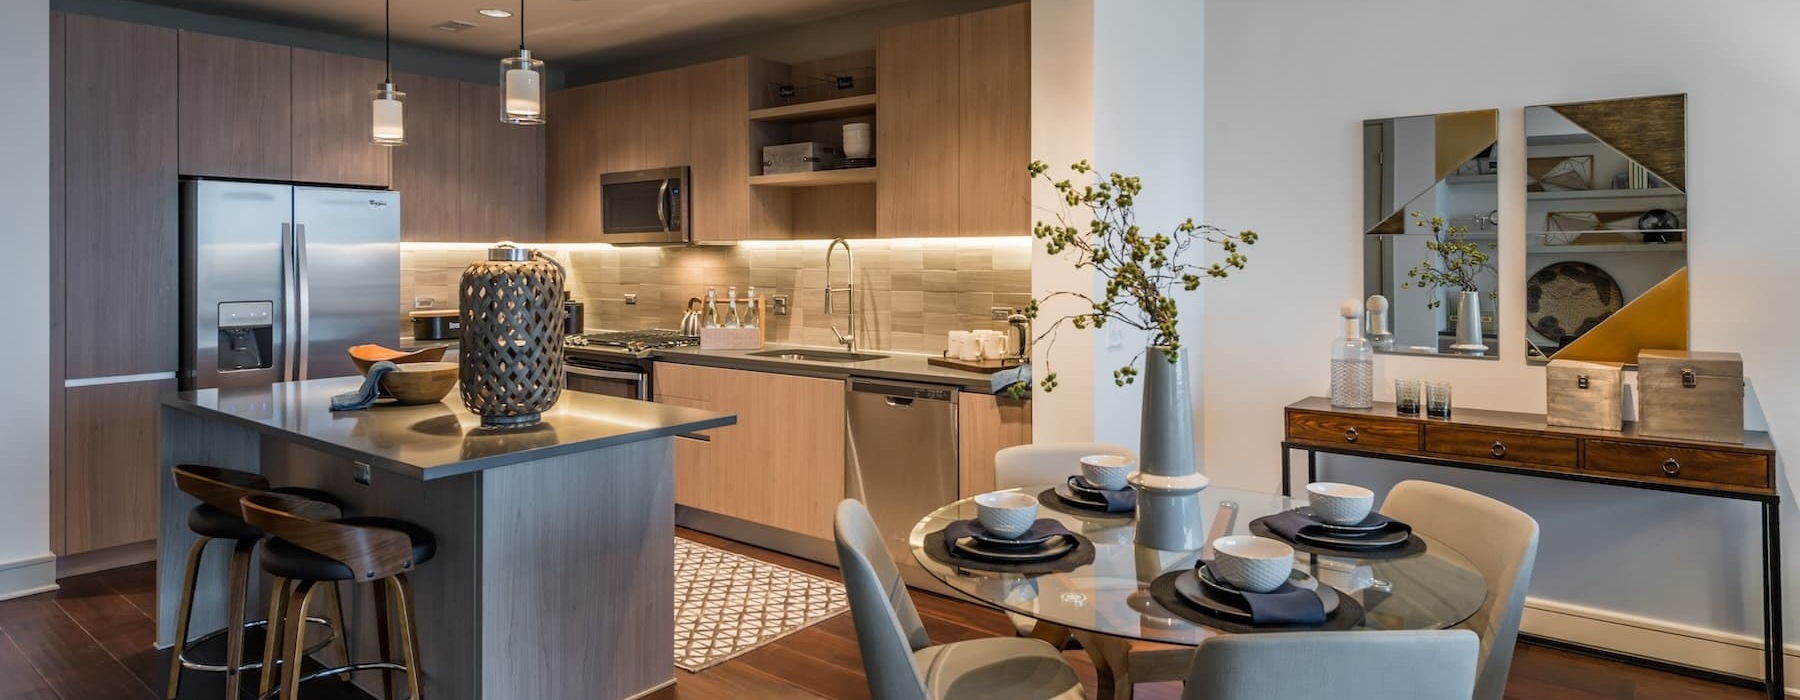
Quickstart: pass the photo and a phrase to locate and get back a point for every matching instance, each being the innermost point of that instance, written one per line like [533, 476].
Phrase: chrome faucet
[848, 341]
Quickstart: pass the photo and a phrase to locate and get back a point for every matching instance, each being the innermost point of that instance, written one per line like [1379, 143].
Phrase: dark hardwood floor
[92, 641]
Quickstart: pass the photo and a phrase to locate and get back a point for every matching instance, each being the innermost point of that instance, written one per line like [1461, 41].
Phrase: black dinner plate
[1348, 529]
[1390, 536]
[1055, 546]
[1191, 589]
[1081, 487]
[1222, 588]
[1070, 496]
[995, 542]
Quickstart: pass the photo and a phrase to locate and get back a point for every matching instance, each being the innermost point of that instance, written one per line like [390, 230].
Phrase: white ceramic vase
[1468, 325]
[1168, 480]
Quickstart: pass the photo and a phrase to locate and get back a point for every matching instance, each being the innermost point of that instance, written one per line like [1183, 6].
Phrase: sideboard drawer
[1374, 433]
[1524, 448]
[1716, 466]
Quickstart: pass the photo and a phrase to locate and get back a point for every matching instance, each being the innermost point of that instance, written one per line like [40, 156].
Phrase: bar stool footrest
[351, 668]
[253, 646]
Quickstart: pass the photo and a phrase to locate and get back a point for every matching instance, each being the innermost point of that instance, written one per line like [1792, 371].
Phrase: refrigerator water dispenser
[246, 335]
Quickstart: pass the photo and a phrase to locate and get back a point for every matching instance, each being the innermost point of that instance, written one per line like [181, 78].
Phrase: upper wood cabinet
[573, 162]
[502, 171]
[331, 120]
[426, 168]
[634, 123]
[236, 108]
[954, 130]
[121, 218]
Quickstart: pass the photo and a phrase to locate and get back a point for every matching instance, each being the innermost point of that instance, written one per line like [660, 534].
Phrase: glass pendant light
[387, 106]
[522, 83]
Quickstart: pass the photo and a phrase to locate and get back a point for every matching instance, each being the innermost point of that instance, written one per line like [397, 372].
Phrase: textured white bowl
[1006, 513]
[1339, 504]
[1254, 564]
[1107, 472]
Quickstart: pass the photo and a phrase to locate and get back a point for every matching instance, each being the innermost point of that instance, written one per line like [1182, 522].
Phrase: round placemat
[1414, 545]
[1569, 298]
[1049, 499]
[1348, 615]
[1082, 555]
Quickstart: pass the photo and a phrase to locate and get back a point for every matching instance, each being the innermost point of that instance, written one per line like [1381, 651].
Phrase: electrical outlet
[779, 303]
[1114, 339]
[631, 300]
[423, 302]
[360, 472]
[1001, 313]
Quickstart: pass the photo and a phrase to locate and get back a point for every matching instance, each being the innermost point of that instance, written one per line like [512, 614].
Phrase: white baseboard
[1735, 654]
[28, 576]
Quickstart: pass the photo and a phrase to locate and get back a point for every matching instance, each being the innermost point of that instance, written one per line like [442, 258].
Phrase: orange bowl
[365, 356]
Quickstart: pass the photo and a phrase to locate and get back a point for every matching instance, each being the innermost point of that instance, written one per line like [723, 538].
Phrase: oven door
[609, 382]
[644, 206]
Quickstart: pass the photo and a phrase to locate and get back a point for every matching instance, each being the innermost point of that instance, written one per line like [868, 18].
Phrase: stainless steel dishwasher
[900, 458]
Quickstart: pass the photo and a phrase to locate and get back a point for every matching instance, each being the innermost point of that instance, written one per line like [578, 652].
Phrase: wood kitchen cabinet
[501, 172]
[572, 161]
[634, 123]
[110, 474]
[987, 424]
[427, 170]
[782, 465]
[331, 120]
[236, 108]
[954, 129]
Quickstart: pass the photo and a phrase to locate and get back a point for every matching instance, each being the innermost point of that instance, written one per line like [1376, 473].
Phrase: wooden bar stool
[218, 517]
[308, 545]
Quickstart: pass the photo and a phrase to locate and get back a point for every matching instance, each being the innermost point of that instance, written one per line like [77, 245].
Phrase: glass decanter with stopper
[1352, 363]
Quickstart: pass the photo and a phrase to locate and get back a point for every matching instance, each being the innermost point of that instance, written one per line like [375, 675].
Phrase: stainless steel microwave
[645, 207]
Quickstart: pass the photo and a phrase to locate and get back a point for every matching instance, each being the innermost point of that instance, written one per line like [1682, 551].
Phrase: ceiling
[580, 31]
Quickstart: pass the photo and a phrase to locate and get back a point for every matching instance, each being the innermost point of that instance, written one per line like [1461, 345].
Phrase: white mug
[964, 346]
[993, 344]
[856, 140]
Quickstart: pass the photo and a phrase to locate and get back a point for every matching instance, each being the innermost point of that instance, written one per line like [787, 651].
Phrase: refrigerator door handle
[302, 290]
[289, 313]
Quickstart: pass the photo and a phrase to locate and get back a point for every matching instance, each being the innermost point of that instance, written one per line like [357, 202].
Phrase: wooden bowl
[418, 383]
[365, 356]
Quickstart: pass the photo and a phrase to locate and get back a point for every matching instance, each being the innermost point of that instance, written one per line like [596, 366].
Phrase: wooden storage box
[1583, 394]
[1691, 395]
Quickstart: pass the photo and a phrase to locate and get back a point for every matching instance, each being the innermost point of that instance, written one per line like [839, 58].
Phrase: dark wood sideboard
[1525, 444]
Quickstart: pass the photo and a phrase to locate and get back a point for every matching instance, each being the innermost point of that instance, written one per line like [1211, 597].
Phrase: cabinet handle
[1350, 435]
[1671, 467]
[1498, 450]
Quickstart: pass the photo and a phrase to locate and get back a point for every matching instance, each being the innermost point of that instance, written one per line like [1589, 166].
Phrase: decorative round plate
[1189, 586]
[1567, 299]
[1078, 500]
[991, 542]
[1050, 549]
[1350, 529]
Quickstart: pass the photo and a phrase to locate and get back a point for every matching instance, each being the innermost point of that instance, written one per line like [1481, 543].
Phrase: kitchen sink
[818, 355]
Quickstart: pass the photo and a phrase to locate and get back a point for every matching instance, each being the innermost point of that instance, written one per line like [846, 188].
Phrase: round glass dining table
[1436, 589]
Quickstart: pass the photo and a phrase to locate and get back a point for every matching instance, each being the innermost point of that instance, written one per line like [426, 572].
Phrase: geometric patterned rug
[727, 604]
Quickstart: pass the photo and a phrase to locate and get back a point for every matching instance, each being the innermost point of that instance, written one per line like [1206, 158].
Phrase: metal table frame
[1773, 683]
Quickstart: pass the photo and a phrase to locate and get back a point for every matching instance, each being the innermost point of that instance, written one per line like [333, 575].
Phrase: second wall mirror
[1437, 289]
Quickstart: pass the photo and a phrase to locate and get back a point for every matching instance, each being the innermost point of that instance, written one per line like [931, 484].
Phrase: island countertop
[442, 439]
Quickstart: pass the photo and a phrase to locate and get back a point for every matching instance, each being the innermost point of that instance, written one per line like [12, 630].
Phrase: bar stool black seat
[287, 560]
[219, 517]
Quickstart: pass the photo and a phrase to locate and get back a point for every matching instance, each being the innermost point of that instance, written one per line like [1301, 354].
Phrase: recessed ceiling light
[494, 12]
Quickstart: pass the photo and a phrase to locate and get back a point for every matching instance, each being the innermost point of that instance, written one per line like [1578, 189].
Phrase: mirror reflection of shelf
[1605, 194]
[1539, 242]
[1472, 179]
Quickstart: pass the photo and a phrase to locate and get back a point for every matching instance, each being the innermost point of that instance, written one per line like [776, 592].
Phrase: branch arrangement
[1459, 261]
[1142, 270]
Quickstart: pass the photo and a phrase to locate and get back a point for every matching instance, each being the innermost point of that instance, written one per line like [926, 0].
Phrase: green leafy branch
[1141, 269]
[1458, 261]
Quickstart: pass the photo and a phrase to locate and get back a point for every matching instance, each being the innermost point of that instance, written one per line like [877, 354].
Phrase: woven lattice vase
[512, 336]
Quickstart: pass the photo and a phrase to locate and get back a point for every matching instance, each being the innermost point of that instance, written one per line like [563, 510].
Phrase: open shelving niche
[822, 203]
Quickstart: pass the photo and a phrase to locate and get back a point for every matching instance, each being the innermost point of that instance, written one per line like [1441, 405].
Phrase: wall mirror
[1432, 292]
[1606, 223]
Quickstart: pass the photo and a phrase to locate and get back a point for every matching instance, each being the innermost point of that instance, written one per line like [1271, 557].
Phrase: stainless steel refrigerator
[278, 280]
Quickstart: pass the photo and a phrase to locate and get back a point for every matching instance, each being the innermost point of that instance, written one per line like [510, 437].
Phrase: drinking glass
[1437, 399]
[1406, 397]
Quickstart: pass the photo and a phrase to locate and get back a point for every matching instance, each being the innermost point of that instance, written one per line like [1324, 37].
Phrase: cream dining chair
[1428, 665]
[1045, 463]
[1502, 543]
[898, 656]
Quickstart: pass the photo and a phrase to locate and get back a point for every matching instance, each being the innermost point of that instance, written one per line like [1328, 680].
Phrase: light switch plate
[1001, 313]
[631, 300]
[779, 303]
[361, 473]
[1114, 339]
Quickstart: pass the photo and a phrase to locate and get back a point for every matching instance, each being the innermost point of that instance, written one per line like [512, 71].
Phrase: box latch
[1689, 379]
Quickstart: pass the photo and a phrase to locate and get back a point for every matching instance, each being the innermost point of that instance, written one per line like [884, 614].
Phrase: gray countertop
[440, 439]
[897, 365]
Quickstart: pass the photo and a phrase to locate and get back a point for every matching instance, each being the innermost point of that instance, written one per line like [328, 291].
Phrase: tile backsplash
[909, 292]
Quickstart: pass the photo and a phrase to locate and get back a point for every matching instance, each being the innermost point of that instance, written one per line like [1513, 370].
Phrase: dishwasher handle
[903, 394]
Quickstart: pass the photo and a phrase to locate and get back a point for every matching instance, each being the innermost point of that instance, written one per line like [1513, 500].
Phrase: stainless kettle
[690, 320]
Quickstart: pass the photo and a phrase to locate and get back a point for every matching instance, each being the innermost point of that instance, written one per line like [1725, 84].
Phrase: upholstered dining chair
[1428, 665]
[1045, 463]
[1502, 543]
[898, 656]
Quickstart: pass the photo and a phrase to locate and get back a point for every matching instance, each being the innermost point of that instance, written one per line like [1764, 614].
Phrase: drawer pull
[1350, 435]
[1498, 450]
[1671, 467]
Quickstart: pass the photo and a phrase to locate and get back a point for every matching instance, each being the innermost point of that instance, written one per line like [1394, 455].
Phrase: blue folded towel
[1288, 524]
[1044, 527]
[1287, 605]
[371, 387]
[1000, 381]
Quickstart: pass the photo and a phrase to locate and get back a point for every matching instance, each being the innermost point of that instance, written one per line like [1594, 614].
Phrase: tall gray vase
[1168, 481]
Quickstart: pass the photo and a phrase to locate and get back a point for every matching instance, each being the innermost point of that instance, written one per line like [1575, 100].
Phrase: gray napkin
[1121, 501]
[1287, 605]
[364, 397]
[1288, 524]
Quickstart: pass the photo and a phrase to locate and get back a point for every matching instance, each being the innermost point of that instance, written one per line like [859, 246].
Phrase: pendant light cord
[521, 25]
[387, 38]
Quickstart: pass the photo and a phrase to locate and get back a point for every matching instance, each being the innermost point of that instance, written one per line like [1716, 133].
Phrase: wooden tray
[984, 366]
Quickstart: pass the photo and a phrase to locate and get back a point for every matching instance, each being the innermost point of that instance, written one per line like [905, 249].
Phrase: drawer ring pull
[1671, 467]
[1350, 435]
[1498, 450]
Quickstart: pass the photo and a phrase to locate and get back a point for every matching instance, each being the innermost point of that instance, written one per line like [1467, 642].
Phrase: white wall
[1288, 84]
[25, 560]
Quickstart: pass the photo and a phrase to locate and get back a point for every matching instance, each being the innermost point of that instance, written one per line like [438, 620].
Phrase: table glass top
[1111, 596]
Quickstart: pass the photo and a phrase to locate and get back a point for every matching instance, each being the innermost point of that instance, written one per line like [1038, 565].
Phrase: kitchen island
[554, 571]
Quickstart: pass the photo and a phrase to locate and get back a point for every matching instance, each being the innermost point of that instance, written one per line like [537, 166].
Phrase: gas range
[635, 342]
